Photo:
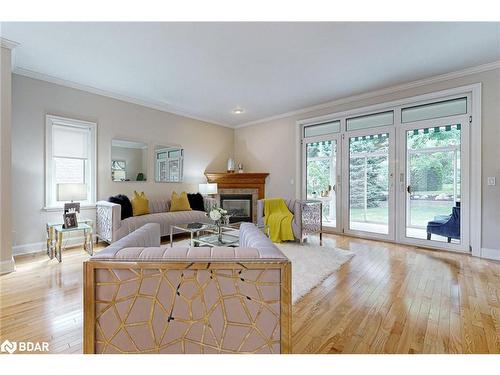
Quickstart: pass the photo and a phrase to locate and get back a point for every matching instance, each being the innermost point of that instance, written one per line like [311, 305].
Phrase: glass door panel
[369, 183]
[320, 177]
[433, 190]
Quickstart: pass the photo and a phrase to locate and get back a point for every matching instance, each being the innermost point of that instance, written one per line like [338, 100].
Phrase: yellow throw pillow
[140, 204]
[179, 202]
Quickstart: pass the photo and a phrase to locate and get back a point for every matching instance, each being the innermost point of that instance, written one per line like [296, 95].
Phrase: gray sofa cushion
[165, 220]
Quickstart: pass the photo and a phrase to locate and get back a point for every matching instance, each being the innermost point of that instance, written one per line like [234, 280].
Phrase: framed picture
[70, 220]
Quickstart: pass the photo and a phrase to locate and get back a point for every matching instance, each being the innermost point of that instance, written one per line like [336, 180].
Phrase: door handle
[408, 189]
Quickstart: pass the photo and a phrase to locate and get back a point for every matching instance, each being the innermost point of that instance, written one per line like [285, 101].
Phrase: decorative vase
[219, 230]
[230, 165]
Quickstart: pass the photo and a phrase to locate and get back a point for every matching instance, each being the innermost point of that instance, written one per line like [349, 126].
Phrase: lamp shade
[206, 189]
[71, 192]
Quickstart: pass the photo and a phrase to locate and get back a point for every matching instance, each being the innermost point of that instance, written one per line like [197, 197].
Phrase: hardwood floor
[387, 299]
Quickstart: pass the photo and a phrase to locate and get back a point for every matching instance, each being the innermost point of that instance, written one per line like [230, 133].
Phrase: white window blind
[70, 157]
[70, 142]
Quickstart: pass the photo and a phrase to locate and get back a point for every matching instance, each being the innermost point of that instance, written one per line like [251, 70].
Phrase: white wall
[207, 148]
[272, 147]
[6, 260]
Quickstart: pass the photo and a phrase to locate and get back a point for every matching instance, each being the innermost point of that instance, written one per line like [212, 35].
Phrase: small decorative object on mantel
[240, 168]
[219, 217]
[230, 165]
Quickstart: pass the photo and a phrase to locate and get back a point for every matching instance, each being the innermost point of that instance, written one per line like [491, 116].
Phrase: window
[434, 110]
[70, 157]
[169, 165]
[370, 121]
[118, 170]
[322, 129]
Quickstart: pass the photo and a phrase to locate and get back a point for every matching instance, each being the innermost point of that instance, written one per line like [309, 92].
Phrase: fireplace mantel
[240, 181]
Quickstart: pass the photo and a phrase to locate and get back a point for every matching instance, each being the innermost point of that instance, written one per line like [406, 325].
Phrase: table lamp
[71, 192]
[207, 189]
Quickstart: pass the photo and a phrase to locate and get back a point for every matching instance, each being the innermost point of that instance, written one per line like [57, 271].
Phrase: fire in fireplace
[238, 206]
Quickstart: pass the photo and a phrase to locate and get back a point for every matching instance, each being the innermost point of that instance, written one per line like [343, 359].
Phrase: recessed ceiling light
[238, 111]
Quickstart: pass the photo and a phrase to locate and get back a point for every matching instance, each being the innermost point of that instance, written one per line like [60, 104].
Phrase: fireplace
[238, 206]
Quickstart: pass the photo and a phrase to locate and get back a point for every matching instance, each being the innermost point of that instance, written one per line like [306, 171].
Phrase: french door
[433, 188]
[321, 174]
[368, 175]
[399, 174]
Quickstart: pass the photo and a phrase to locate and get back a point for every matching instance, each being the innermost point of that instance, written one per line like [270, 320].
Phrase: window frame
[90, 171]
[473, 93]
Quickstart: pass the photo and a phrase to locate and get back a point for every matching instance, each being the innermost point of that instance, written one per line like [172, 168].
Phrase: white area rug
[311, 264]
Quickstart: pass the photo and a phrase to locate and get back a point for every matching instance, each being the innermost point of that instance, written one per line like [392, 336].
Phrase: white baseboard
[7, 266]
[39, 247]
[490, 253]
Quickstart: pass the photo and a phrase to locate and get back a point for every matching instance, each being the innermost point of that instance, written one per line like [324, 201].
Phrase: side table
[55, 233]
[311, 219]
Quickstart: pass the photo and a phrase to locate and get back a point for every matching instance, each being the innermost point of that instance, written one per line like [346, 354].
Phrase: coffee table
[208, 234]
[192, 231]
[216, 239]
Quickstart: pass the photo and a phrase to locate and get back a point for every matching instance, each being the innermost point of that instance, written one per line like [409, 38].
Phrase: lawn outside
[422, 211]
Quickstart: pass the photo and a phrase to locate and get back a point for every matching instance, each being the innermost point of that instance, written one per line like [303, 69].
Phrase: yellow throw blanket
[279, 219]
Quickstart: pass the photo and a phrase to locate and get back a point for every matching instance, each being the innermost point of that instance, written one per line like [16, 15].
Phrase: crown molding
[381, 92]
[164, 107]
[148, 103]
[9, 44]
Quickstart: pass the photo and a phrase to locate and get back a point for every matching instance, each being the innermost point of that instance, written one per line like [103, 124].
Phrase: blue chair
[446, 225]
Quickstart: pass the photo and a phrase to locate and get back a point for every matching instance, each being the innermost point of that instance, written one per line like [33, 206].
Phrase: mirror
[129, 160]
[168, 163]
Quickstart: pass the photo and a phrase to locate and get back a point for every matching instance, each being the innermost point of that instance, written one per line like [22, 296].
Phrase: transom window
[370, 121]
[433, 110]
[322, 128]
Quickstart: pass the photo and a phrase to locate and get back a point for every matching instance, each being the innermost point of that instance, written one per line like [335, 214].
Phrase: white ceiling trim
[182, 112]
[149, 103]
[9, 44]
[381, 92]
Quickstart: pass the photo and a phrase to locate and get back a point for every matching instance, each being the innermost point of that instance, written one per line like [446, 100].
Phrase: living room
[250, 187]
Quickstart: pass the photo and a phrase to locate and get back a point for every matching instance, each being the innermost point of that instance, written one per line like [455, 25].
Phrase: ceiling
[205, 70]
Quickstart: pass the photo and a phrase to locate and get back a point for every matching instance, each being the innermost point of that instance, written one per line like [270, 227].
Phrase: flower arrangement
[219, 216]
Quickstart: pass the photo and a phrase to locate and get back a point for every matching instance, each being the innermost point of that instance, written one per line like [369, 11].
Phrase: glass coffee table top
[213, 239]
[195, 228]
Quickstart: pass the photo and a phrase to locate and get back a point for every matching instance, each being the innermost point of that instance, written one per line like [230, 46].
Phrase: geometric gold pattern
[182, 310]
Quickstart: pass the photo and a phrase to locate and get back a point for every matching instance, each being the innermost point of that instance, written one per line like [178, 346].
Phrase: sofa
[110, 227]
[142, 297]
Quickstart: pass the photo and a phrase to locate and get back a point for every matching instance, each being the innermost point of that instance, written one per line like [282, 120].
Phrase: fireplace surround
[238, 206]
[240, 184]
